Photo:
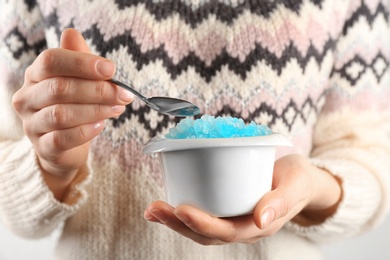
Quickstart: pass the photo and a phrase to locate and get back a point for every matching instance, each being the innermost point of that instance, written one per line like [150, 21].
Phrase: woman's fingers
[67, 63]
[201, 227]
[161, 212]
[52, 145]
[281, 203]
[63, 116]
[64, 101]
[292, 191]
[290, 195]
[71, 39]
[60, 90]
[227, 230]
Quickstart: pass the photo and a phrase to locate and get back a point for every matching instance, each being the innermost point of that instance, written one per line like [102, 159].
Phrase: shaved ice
[216, 127]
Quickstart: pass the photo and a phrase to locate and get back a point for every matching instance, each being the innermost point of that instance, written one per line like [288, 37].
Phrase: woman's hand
[301, 192]
[63, 103]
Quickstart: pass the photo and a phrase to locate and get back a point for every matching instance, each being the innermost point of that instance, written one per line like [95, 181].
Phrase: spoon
[164, 105]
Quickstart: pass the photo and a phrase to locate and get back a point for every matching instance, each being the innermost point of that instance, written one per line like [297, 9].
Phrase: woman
[316, 72]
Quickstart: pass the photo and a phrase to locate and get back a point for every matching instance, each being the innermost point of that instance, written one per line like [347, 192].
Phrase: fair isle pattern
[239, 58]
[273, 62]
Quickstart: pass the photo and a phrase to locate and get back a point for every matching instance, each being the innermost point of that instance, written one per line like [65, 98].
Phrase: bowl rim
[160, 143]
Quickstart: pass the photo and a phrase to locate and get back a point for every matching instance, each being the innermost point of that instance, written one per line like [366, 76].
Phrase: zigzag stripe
[209, 38]
[195, 13]
[364, 11]
[167, 122]
[207, 72]
[262, 83]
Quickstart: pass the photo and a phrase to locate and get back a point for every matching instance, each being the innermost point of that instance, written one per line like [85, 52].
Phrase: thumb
[291, 193]
[285, 202]
[72, 40]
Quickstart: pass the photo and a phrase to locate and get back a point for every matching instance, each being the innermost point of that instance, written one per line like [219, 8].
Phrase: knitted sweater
[314, 71]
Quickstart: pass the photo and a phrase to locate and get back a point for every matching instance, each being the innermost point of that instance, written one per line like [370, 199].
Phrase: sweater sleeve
[351, 138]
[27, 206]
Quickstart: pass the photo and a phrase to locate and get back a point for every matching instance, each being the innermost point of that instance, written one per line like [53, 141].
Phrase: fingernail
[118, 109]
[97, 124]
[267, 217]
[125, 96]
[105, 68]
[157, 214]
[183, 218]
[147, 215]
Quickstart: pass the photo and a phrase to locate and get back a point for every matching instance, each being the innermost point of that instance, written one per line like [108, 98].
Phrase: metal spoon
[164, 105]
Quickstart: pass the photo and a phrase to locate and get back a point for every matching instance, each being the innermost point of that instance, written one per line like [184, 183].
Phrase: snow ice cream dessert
[220, 127]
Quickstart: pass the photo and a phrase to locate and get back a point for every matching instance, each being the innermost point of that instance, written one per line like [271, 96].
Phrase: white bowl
[223, 176]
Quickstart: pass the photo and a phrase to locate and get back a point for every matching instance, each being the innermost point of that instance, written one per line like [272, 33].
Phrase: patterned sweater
[315, 71]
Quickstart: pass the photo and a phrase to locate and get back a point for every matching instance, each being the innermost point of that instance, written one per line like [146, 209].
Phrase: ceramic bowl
[223, 176]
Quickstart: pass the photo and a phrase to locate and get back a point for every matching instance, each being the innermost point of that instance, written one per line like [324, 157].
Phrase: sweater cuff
[27, 206]
[357, 208]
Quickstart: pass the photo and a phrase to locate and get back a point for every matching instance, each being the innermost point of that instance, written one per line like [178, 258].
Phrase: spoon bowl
[164, 105]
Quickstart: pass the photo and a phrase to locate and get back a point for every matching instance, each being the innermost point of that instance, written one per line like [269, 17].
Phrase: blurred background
[373, 245]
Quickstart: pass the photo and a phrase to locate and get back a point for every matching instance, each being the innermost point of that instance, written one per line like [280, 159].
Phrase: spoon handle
[127, 87]
[135, 92]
